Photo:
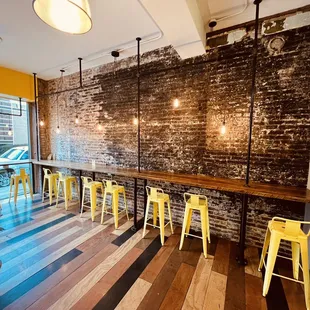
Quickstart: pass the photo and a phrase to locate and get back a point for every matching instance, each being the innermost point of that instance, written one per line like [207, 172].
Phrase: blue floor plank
[24, 287]
[38, 229]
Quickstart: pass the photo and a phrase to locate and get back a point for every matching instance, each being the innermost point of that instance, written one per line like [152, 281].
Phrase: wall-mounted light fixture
[76, 119]
[71, 16]
[223, 128]
[135, 121]
[176, 103]
[100, 127]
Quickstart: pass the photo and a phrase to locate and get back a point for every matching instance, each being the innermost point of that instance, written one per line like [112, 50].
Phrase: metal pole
[37, 112]
[138, 101]
[241, 260]
[80, 67]
[253, 88]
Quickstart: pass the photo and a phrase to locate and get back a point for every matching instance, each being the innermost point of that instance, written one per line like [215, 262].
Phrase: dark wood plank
[121, 287]
[221, 257]
[253, 293]
[162, 283]
[175, 296]
[275, 298]
[235, 288]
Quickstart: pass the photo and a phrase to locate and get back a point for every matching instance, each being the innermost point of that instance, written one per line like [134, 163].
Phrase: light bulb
[176, 103]
[10, 132]
[58, 129]
[76, 119]
[41, 123]
[135, 121]
[100, 127]
[223, 129]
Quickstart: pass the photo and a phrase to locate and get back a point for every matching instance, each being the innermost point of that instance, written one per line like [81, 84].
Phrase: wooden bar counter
[289, 193]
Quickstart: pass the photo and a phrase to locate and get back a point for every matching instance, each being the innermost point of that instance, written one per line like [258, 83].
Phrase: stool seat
[158, 198]
[111, 187]
[200, 203]
[14, 181]
[279, 229]
[92, 186]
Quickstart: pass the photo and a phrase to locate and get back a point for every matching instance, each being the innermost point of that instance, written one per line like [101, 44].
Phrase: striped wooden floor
[52, 259]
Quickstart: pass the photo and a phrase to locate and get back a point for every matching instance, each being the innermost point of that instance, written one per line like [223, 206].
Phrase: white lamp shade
[72, 16]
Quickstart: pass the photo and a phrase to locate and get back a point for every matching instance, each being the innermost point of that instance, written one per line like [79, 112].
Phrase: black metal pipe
[145, 195]
[135, 206]
[244, 210]
[66, 90]
[253, 89]
[36, 107]
[80, 67]
[138, 102]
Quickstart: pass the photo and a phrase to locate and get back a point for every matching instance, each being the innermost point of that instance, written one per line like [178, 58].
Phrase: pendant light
[176, 103]
[135, 121]
[223, 127]
[71, 16]
[42, 123]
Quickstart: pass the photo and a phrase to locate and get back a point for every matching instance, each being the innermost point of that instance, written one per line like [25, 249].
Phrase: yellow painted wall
[16, 84]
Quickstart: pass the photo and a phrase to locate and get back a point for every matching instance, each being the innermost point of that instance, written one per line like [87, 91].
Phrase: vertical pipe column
[37, 113]
[241, 260]
[138, 101]
[80, 68]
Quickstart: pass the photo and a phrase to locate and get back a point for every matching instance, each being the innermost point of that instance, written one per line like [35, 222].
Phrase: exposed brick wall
[187, 139]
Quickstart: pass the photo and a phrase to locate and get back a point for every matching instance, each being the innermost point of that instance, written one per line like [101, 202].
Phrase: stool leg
[69, 191]
[77, 189]
[186, 213]
[11, 187]
[203, 217]
[295, 258]
[125, 202]
[43, 189]
[189, 220]
[162, 221]
[58, 194]
[305, 267]
[55, 186]
[82, 204]
[16, 184]
[272, 255]
[170, 216]
[50, 189]
[24, 187]
[103, 206]
[146, 214]
[208, 226]
[66, 193]
[93, 200]
[264, 251]
[115, 208]
[155, 213]
[30, 187]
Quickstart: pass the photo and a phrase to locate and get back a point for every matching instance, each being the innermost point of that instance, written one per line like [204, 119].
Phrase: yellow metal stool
[200, 203]
[65, 182]
[111, 187]
[92, 186]
[51, 180]
[158, 198]
[24, 178]
[284, 229]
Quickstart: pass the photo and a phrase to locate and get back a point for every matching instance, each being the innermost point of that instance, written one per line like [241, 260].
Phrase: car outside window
[14, 155]
[24, 156]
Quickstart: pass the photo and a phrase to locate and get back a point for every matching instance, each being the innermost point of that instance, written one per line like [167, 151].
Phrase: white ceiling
[29, 45]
